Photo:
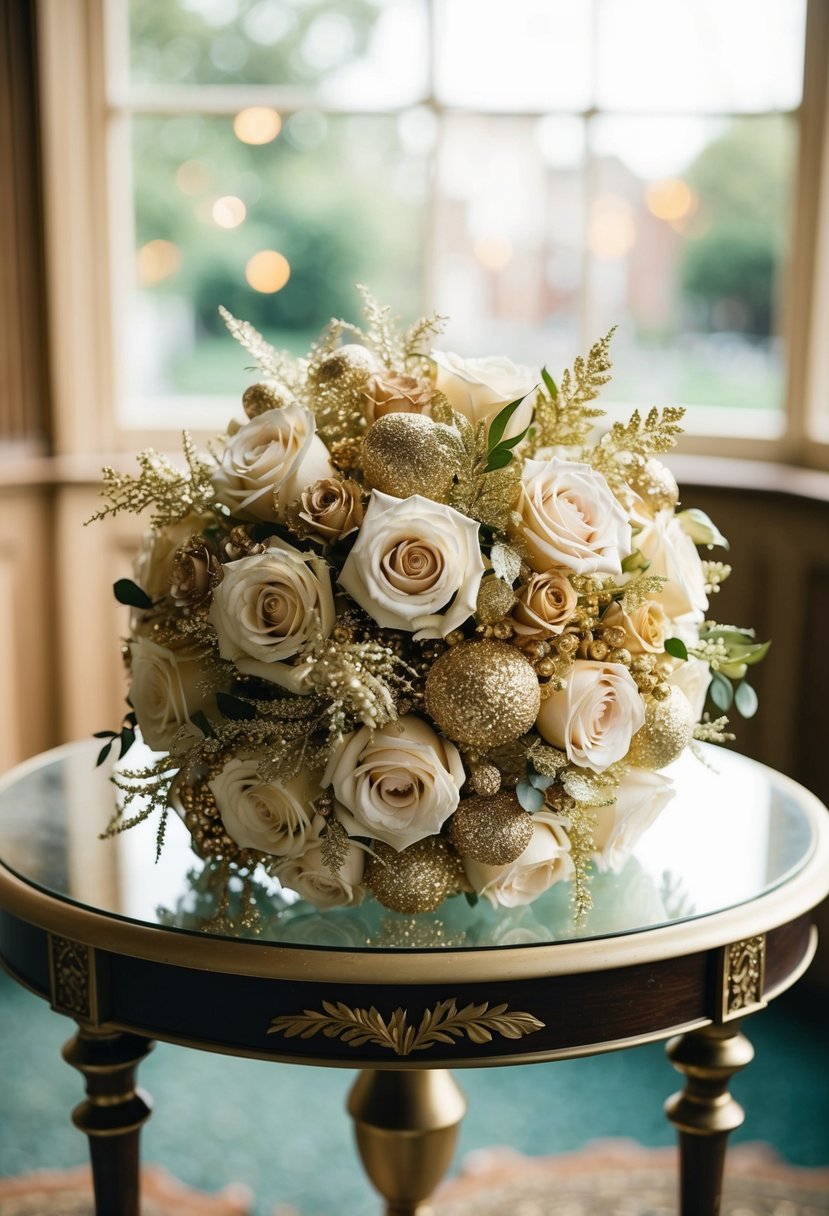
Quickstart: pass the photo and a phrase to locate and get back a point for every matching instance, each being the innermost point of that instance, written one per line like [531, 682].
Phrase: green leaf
[128, 592]
[633, 562]
[722, 692]
[499, 422]
[676, 648]
[234, 707]
[549, 384]
[498, 459]
[127, 740]
[746, 700]
[538, 780]
[471, 898]
[103, 753]
[199, 719]
[105, 734]
[529, 797]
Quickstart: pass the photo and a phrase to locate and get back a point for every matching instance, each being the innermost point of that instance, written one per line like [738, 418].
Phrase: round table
[707, 921]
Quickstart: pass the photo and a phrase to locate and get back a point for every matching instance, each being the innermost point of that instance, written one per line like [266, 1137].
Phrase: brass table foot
[112, 1114]
[406, 1123]
[704, 1112]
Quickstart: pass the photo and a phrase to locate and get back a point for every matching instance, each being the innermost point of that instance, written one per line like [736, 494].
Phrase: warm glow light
[268, 271]
[155, 261]
[229, 211]
[494, 252]
[192, 177]
[257, 125]
[670, 199]
[611, 232]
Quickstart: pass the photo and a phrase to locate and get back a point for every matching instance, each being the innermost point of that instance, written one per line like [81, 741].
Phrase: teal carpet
[282, 1129]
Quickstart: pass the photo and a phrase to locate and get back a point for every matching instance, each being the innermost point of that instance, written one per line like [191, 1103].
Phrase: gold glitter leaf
[275, 363]
[548, 761]
[590, 789]
[171, 491]
[334, 846]
[563, 415]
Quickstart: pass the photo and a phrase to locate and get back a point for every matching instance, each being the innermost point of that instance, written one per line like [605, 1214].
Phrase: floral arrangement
[411, 628]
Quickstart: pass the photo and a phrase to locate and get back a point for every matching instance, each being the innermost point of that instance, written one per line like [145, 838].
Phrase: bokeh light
[156, 261]
[193, 177]
[228, 211]
[611, 231]
[257, 125]
[670, 199]
[268, 271]
[493, 252]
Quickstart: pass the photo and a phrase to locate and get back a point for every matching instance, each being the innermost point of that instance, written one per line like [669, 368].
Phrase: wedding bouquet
[412, 627]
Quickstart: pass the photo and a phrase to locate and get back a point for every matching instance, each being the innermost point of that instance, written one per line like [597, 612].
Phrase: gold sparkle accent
[495, 600]
[668, 729]
[485, 779]
[405, 454]
[483, 693]
[416, 879]
[260, 398]
[492, 830]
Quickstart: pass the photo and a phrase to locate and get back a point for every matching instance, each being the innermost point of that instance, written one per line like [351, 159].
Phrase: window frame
[86, 168]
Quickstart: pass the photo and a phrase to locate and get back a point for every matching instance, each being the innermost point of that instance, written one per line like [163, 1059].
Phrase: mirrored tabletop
[733, 832]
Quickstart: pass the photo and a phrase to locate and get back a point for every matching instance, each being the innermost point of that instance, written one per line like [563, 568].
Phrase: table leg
[704, 1112]
[406, 1124]
[112, 1114]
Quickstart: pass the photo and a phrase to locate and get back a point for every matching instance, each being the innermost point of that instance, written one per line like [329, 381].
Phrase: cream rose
[267, 609]
[386, 393]
[330, 509]
[152, 567]
[398, 784]
[546, 860]
[693, 677]
[646, 627]
[544, 605]
[311, 878]
[480, 388]
[269, 461]
[165, 692]
[416, 565]
[261, 815]
[570, 518]
[672, 555]
[641, 797]
[595, 717]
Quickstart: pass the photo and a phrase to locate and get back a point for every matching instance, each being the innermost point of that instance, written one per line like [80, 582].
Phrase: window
[538, 172]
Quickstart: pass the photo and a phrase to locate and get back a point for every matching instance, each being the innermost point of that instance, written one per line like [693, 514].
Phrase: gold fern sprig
[415, 358]
[639, 438]
[563, 414]
[171, 491]
[278, 364]
[486, 495]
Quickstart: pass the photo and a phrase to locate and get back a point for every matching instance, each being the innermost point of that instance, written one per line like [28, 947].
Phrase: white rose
[269, 461]
[645, 626]
[546, 860]
[267, 609]
[570, 518]
[480, 388]
[311, 878]
[595, 717]
[165, 692]
[693, 677]
[672, 555]
[416, 565]
[399, 784]
[261, 815]
[641, 796]
[152, 567]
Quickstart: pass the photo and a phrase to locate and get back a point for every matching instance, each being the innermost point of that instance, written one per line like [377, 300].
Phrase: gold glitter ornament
[344, 362]
[485, 779]
[259, 398]
[668, 729]
[495, 600]
[483, 693]
[655, 482]
[417, 879]
[406, 454]
[492, 830]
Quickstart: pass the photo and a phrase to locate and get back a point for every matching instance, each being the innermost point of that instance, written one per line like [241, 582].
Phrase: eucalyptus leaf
[722, 692]
[530, 798]
[746, 700]
[676, 648]
[540, 781]
[129, 593]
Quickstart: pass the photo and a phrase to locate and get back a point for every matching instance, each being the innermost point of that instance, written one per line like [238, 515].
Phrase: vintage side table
[708, 921]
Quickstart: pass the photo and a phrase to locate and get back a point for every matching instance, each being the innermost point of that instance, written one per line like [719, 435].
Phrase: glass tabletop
[733, 832]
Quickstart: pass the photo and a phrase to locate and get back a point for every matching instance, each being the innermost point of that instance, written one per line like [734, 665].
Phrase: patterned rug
[69, 1193]
[620, 1178]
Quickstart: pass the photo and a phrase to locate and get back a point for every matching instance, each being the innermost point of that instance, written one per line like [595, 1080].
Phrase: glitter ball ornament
[406, 454]
[495, 600]
[259, 398]
[491, 830]
[669, 727]
[485, 779]
[483, 693]
[655, 482]
[417, 879]
[345, 361]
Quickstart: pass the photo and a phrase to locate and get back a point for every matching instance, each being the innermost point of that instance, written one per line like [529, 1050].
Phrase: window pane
[700, 54]
[367, 52]
[531, 54]
[509, 236]
[688, 236]
[278, 233]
